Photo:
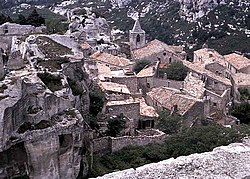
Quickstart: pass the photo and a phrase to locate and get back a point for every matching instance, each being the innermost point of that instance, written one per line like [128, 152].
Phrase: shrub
[139, 65]
[175, 71]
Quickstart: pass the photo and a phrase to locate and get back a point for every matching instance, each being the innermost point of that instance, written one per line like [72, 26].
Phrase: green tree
[4, 18]
[35, 19]
[56, 26]
[21, 19]
[116, 125]
[244, 94]
[170, 124]
[242, 112]
[96, 102]
[139, 65]
[174, 71]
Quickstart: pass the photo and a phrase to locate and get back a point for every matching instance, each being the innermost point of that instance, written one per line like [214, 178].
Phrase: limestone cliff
[42, 108]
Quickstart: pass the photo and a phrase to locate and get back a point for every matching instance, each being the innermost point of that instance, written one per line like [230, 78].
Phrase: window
[210, 55]
[164, 54]
[148, 85]
[214, 104]
[170, 60]
[138, 38]
[5, 29]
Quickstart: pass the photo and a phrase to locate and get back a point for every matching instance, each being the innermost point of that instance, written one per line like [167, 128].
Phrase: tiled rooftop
[145, 110]
[110, 59]
[238, 61]
[241, 79]
[85, 45]
[114, 87]
[154, 47]
[103, 71]
[208, 56]
[148, 71]
[201, 70]
[169, 97]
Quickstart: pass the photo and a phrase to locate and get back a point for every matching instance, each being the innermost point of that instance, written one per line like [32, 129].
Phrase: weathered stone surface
[232, 161]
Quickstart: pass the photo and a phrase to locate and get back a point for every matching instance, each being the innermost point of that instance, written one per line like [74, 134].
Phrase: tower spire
[137, 36]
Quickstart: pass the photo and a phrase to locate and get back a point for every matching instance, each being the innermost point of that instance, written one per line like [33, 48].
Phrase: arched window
[170, 60]
[138, 38]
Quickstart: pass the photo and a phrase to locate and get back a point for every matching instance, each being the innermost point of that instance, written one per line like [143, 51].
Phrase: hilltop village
[51, 83]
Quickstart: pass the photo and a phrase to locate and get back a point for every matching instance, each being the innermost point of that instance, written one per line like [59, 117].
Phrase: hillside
[223, 25]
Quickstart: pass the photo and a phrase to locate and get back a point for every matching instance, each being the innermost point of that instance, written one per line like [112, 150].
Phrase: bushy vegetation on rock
[193, 140]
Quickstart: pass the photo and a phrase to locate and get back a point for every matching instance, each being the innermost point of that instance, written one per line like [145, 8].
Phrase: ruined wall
[130, 82]
[194, 114]
[111, 144]
[159, 82]
[131, 111]
[102, 145]
[120, 142]
[232, 161]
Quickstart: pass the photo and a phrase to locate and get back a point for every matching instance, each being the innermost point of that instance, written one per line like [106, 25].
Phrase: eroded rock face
[232, 161]
[194, 9]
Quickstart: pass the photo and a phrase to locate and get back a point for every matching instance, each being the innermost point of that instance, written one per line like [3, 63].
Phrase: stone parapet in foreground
[227, 162]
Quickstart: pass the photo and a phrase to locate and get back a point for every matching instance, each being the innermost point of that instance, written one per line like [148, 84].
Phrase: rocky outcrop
[194, 9]
[232, 161]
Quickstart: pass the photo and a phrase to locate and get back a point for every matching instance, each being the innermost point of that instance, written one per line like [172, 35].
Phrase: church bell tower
[136, 36]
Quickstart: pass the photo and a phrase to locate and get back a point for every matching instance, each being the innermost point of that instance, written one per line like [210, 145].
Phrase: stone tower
[136, 36]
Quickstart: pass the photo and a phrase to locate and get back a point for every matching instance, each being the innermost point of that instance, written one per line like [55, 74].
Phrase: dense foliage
[96, 102]
[170, 124]
[139, 65]
[115, 125]
[242, 112]
[174, 71]
[194, 140]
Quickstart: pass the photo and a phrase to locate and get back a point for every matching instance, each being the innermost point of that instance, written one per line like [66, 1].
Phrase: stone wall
[232, 161]
[102, 145]
[159, 82]
[130, 82]
[112, 144]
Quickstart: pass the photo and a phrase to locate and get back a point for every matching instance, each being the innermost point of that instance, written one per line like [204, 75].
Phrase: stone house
[237, 63]
[212, 61]
[146, 77]
[212, 81]
[154, 50]
[114, 91]
[12, 29]
[173, 100]
[240, 81]
[158, 51]
[1, 66]
[135, 109]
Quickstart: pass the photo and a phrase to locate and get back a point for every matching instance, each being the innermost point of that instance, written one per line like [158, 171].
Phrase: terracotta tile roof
[153, 47]
[208, 56]
[169, 97]
[103, 71]
[201, 70]
[146, 110]
[238, 61]
[114, 87]
[110, 59]
[241, 79]
[85, 45]
[148, 70]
